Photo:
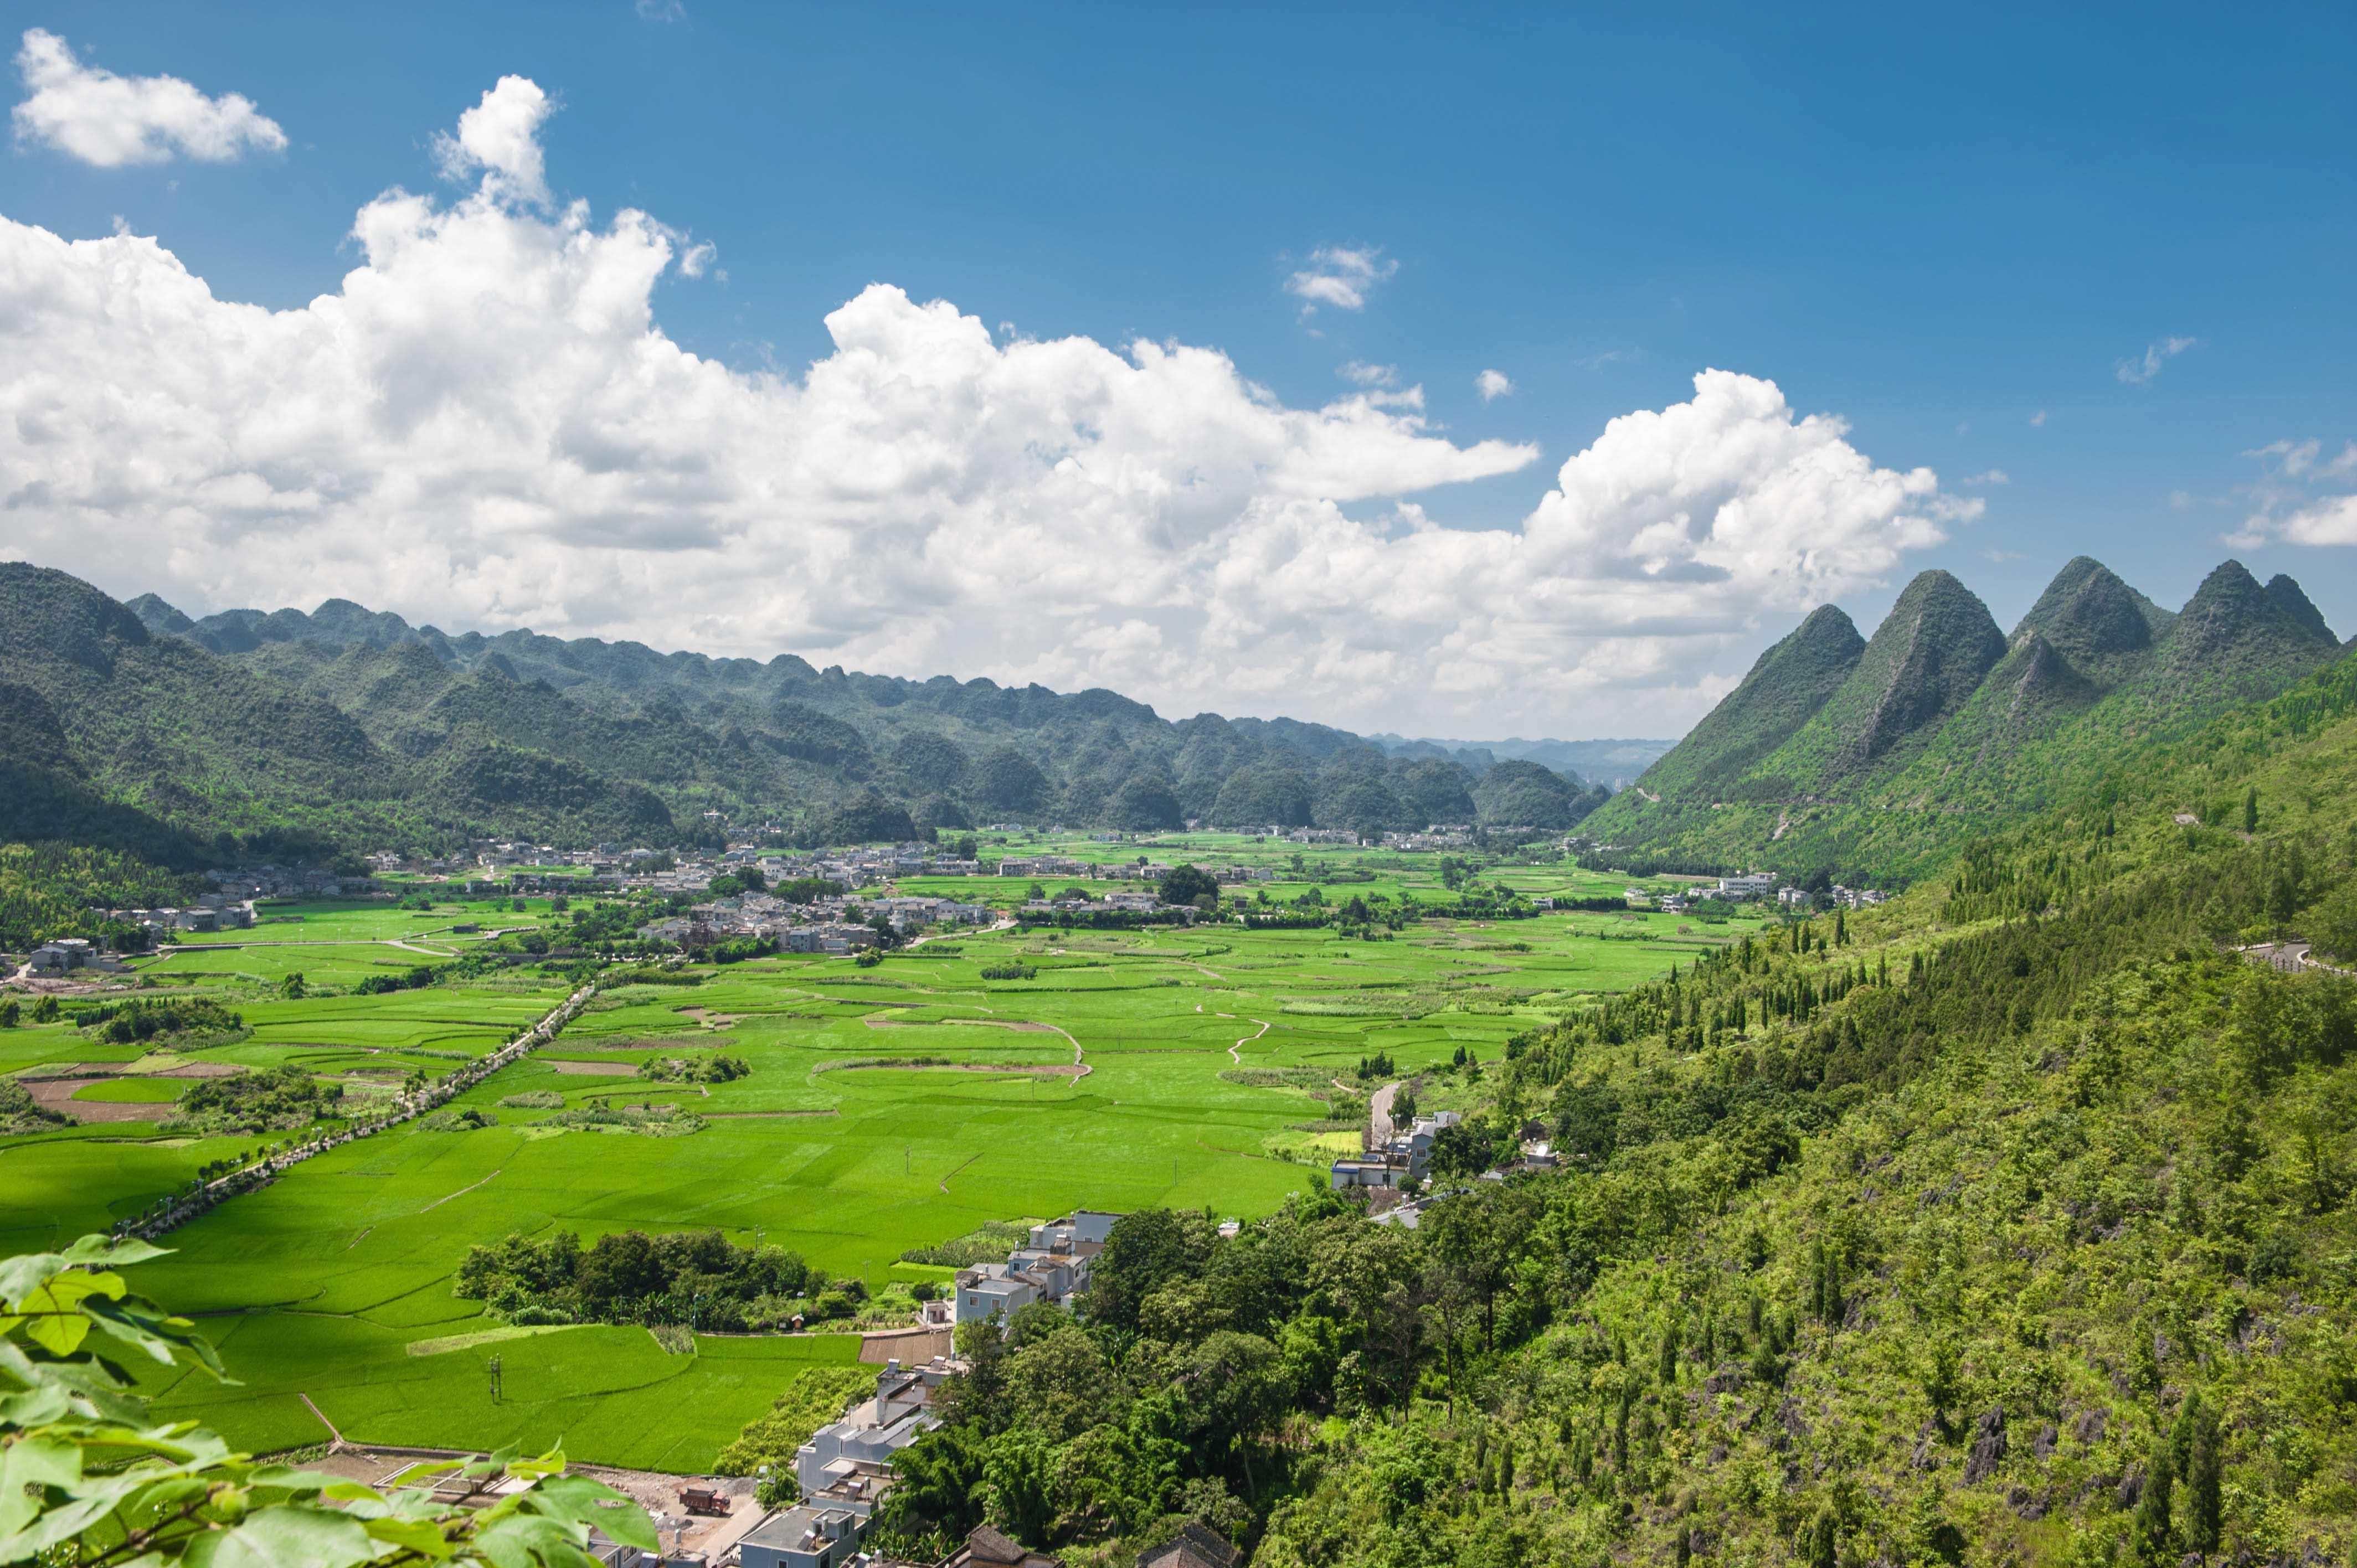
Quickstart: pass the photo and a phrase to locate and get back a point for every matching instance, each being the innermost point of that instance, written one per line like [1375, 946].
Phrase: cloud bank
[110, 121]
[484, 426]
[2295, 500]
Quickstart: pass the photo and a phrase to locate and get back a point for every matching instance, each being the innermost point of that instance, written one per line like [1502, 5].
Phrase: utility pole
[493, 1366]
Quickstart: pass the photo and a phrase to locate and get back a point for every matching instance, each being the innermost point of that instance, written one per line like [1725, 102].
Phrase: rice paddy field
[887, 1108]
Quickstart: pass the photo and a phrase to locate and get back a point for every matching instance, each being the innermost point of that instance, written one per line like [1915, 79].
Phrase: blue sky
[1963, 234]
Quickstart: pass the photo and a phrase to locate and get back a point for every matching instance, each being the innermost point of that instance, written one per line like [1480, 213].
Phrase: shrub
[275, 1100]
[465, 1118]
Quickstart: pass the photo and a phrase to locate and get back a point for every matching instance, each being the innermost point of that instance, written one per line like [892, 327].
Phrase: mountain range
[1874, 758]
[135, 728]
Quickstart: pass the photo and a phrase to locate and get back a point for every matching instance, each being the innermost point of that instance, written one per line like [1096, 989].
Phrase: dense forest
[2008, 1222]
[249, 736]
[1875, 760]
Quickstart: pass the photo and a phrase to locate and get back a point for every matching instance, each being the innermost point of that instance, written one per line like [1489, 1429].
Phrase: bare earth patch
[1020, 1028]
[57, 1094]
[598, 1069]
[1053, 1070]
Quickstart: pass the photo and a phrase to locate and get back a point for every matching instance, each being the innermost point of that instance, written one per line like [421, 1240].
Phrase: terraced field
[887, 1108]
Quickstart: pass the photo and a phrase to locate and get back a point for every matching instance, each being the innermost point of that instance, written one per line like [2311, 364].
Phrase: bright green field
[135, 1090]
[836, 1145]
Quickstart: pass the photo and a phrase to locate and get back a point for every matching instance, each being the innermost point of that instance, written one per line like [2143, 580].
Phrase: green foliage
[465, 1119]
[1938, 732]
[988, 1243]
[275, 1099]
[697, 1279]
[718, 1067]
[144, 1019]
[817, 1395]
[20, 1113]
[91, 1478]
[51, 890]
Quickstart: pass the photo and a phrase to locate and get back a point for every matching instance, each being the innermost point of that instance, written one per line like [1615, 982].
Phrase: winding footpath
[1248, 1039]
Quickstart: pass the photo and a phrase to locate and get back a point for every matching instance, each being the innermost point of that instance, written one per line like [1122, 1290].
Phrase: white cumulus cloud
[1492, 385]
[2285, 502]
[110, 121]
[1340, 275]
[485, 427]
[500, 138]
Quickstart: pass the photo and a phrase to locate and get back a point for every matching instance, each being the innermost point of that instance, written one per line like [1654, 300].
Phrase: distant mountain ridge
[1875, 757]
[1613, 764]
[351, 728]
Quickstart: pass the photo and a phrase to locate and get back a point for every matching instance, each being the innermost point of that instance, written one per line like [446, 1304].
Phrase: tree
[1943, 1384]
[1142, 1251]
[2152, 1514]
[1476, 1236]
[2251, 810]
[292, 987]
[104, 1484]
[2203, 1479]
[1058, 1384]
[1186, 884]
[1238, 1388]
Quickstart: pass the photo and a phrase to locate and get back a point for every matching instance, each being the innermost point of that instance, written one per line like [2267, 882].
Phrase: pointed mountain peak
[1936, 601]
[2231, 625]
[2087, 612]
[2229, 583]
[156, 615]
[2228, 603]
[1923, 663]
[1826, 616]
[1783, 689]
[2287, 592]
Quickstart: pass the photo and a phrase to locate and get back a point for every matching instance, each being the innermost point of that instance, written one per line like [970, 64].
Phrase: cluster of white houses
[1404, 1158]
[845, 1471]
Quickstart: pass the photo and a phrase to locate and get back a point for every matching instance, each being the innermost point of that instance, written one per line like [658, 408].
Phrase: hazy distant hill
[1610, 763]
[136, 727]
[1874, 758]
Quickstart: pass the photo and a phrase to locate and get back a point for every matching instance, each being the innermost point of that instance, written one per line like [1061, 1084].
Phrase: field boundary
[254, 1177]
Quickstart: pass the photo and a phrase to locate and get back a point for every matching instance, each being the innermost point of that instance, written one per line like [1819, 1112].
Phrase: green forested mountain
[2010, 1223]
[1877, 760]
[136, 727]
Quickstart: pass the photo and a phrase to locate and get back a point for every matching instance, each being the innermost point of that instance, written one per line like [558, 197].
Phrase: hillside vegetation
[2010, 1223]
[292, 736]
[1877, 761]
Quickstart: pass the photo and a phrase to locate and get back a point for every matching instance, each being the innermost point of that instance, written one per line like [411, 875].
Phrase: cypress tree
[2203, 1483]
[2153, 1508]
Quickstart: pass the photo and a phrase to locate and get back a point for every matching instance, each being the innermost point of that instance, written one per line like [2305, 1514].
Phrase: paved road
[1379, 1115]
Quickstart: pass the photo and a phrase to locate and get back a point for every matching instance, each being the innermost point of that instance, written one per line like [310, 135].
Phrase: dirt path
[1248, 1039]
[967, 1161]
[1378, 1113]
[1006, 925]
[1078, 1057]
[315, 1410]
[440, 1201]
